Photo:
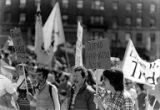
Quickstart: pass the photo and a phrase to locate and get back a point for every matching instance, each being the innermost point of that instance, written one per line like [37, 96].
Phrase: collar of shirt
[82, 88]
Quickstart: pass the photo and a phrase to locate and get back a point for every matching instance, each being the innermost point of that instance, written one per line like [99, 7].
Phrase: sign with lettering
[139, 70]
[19, 45]
[97, 54]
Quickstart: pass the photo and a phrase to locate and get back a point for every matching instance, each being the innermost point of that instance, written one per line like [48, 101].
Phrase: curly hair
[43, 71]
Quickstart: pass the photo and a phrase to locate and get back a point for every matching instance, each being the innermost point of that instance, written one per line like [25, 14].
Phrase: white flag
[6, 69]
[44, 57]
[79, 46]
[137, 69]
[53, 29]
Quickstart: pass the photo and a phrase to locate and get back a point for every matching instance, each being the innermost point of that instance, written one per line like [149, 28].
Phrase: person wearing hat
[82, 94]
[46, 97]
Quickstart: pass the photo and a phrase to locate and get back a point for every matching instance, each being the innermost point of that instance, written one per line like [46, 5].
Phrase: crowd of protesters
[40, 88]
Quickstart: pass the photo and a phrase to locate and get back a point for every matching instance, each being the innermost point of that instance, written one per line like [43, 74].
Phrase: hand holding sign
[97, 56]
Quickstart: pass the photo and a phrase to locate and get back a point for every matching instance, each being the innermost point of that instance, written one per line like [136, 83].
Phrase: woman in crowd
[117, 99]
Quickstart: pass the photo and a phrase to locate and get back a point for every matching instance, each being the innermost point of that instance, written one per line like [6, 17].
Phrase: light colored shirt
[6, 89]
[44, 101]
[6, 86]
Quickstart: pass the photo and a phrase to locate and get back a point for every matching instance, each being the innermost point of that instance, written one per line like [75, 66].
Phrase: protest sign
[19, 45]
[137, 69]
[97, 54]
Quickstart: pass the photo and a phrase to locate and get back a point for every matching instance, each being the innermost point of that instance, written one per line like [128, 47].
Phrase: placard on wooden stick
[19, 45]
[97, 54]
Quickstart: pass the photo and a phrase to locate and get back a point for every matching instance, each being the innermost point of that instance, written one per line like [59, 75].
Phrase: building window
[115, 23]
[139, 22]
[22, 18]
[152, 22]
[92, 20]
[139, 7]
[65, 3]
[80, 3]
[152, 8]
[139, 37]
[127, 36]
[8, 2]
[115, 5]
[97, 35]
[80, 18]
[97, 5]
[101, 20]
[7, 17]
[128, 7]
[115, 39]
[128, 21]
[153, 37]
[22, 3]
[97, 20]
[65, 17]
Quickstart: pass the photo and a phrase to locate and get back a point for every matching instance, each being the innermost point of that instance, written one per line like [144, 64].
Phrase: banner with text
[19, 46]
[97, 54]
[139, 70]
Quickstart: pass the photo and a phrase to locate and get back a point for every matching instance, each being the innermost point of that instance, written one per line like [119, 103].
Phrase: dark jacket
[83, 100]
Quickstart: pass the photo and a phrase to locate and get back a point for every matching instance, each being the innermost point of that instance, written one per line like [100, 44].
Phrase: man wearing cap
[46, 98]
[81, 94]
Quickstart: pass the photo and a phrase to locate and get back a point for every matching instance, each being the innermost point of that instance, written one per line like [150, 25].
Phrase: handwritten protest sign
[19, 45]
[139, 70]
[97, 54]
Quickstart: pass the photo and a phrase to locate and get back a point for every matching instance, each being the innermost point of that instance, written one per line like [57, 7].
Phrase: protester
[154, 95]
[46, 94]
[23, 86]
[64, 90]
[118, 98]
[156, 90]
[141, 96]
[8, 94]
[130, 87]
[65, 83]
[90, 79]
[81, 94]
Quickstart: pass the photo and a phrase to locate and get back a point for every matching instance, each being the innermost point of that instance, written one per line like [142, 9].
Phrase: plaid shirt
[118, 101]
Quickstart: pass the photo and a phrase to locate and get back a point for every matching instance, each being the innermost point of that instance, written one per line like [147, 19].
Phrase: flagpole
[67, 58]
[25, 77]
